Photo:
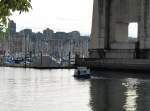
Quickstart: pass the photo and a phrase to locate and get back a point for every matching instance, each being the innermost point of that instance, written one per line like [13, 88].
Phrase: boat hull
[82, 76]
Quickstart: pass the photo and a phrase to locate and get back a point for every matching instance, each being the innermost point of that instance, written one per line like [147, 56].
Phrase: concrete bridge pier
[109, 35]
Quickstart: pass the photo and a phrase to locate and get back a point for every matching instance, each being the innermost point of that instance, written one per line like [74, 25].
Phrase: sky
[133, 30]
[59, 15]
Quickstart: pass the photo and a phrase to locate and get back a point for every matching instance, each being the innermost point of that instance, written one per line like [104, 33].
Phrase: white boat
[82, 72]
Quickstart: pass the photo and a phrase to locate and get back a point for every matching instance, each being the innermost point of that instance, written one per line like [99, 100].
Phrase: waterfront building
[27, 33]
[48, 33]
[74, 34]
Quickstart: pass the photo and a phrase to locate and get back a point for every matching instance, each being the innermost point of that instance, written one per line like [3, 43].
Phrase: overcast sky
[133, 30]
[59, 15]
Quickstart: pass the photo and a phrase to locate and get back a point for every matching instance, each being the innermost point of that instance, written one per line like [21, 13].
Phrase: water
[57, 90]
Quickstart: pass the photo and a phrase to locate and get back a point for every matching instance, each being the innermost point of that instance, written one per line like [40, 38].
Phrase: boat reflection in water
[117, 93]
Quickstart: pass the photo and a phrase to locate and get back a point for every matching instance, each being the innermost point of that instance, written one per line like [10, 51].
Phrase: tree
[7, 7]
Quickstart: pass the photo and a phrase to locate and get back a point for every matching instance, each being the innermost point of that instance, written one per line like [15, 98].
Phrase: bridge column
[144, 25]
[100, 28]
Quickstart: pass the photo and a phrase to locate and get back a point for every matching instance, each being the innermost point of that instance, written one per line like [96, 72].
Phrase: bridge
[109, 35]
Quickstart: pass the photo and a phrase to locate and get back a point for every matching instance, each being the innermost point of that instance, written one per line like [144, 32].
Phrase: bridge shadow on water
[121, 74]
[120, 91]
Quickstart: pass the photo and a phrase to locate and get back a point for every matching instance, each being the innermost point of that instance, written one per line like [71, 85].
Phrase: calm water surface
[57, 90]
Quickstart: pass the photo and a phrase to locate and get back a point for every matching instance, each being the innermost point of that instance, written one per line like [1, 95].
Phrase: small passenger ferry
[82, 72]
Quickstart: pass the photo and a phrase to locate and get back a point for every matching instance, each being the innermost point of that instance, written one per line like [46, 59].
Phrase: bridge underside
[109, 36]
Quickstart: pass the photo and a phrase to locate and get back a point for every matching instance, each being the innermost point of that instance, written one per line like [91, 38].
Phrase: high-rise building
[12, 27]
[74, 34]
[48, 33]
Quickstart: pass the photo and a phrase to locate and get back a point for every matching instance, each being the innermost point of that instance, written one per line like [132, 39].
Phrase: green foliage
[7, 7]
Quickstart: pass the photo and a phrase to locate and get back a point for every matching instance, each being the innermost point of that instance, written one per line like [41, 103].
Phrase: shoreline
[38, 67]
